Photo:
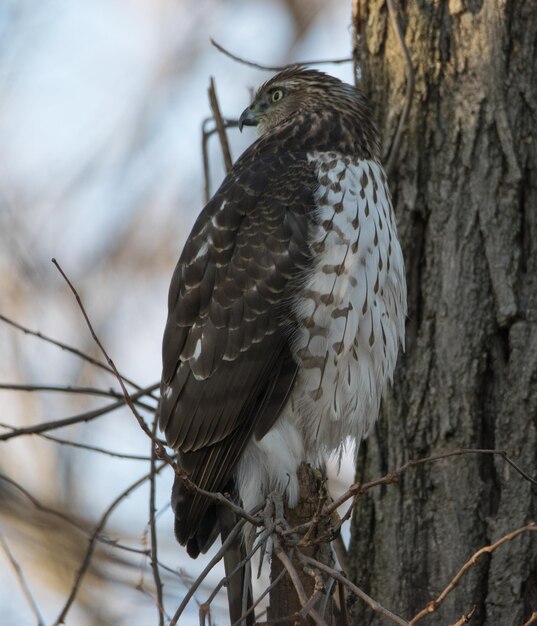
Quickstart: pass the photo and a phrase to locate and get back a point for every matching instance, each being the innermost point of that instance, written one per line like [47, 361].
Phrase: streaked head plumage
[317, 103]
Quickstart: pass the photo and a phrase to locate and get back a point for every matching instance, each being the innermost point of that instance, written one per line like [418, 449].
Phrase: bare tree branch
[111, 364]
[22, 581]
[293, 575]
[70, 389]
[153, 527]
[277, 68]
[434, 604]
[266, 591]
[66, 347]
[217, 557]
[93, 539]
[85, 446]
[373, 604]
[205, 136]
[76, 419]
[464, 619]
[532, 619]
[359, 489]
[356, 45]
[220, 127]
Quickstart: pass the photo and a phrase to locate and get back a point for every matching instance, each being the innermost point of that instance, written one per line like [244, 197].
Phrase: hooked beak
[248, 118]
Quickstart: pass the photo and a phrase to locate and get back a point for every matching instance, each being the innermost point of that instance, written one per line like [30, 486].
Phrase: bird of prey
[287, 306]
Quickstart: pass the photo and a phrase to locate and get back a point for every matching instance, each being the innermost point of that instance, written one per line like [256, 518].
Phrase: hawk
[287, 306]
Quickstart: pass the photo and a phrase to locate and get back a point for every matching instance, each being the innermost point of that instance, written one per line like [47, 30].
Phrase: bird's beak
[248, 117]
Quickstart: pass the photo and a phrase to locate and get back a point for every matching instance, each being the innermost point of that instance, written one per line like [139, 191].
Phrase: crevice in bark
[525, 231]
[529, 595]
[414, 270]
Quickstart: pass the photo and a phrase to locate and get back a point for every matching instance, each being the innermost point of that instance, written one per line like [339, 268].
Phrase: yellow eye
[277, 94]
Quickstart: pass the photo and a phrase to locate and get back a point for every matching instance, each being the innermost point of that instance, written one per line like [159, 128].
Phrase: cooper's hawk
[287, 305]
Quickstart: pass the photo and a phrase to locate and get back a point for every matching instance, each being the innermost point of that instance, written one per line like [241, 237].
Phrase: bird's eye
[277, 94]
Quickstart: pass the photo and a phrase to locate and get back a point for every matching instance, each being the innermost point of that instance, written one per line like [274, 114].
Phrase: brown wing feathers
[227, 364]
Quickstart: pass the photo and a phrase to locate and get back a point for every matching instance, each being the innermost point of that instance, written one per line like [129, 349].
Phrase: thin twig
[70, 389]
[344, 618]
[205, 135]
[215, 108]
[22, 581]
[392, 477]
[410, 80]
[359, 489]
[160, 450]
[311, 603]
[217, 557]
[356, 31]
[263, 537]
[373, 604]
[84, 446]
[153, 528]
[341, 552]
[93, 540]
[76, 419]
[111, 364]
[67, 348]
[205, 154]
[466, 617]
[82, 527]
[42, 507]
[277, 68]
[434, 604]
[532, 619]
[295, 579]
[263, 595]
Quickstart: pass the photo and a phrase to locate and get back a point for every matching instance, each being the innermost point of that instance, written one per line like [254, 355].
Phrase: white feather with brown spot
[352, 311]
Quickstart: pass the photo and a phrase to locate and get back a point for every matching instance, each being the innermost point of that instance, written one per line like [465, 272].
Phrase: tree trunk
[284, 601]
[465, 191]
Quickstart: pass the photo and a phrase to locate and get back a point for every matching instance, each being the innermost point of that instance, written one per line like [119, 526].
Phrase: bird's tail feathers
[239, 585]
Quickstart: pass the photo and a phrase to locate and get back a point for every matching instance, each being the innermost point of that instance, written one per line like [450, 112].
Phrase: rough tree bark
[465, 190]
[284, 601]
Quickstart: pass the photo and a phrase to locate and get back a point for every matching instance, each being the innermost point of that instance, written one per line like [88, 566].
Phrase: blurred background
[101, 108]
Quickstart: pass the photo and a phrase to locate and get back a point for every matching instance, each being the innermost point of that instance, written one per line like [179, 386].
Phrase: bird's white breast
[351, 310]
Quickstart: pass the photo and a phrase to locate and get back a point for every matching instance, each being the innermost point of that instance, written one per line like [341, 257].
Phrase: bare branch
[373, 604]
[434, 604]
[220, 127]
[111, 364]
[84, 446]
[532, 619]
[410, 80]
[464, 619]
[277, 68]
[217, 557]
[67, 348]
[70, 389]
[356, 33]
[263, 595]
[260, 542]
[205, 136]
[359, 489]
[341, 552]
[22, 581]
[205, 154]
[153, 527]
[93, 540]
[76, 419]
[293, 575]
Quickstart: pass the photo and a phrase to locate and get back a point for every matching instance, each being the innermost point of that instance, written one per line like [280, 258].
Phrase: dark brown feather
[228, 367]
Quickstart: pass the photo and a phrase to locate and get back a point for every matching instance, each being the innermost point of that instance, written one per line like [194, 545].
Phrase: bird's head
[314, 111]
[294, 90]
